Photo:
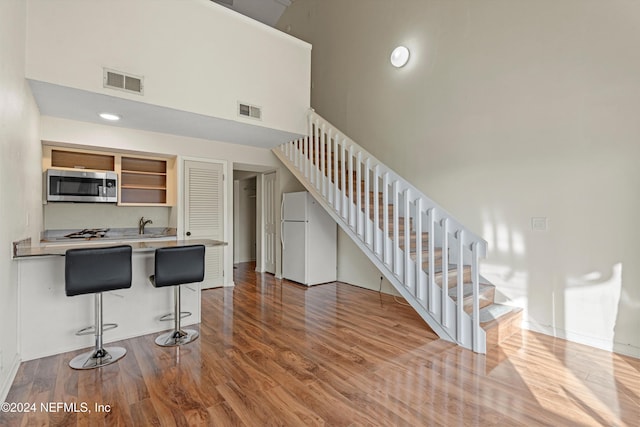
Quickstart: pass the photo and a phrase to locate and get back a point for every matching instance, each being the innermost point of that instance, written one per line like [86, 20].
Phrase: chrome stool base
[97, 358]
[174, 338]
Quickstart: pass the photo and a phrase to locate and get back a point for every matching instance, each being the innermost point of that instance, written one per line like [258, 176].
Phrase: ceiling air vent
[121, 81]
[247, 110]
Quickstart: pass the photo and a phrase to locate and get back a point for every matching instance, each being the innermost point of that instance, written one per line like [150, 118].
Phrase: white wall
[110, 137]
[506, 111]
[20, 176]
[73, 216]
[194, 55]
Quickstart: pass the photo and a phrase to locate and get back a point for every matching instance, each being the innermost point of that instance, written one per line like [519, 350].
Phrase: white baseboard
[624, 349]
[7, 381]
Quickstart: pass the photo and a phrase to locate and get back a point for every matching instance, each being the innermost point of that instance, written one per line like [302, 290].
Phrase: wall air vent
[251, 111]
[118, 80]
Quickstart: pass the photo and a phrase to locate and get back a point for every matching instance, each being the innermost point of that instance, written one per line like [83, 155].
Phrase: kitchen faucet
[142, 223]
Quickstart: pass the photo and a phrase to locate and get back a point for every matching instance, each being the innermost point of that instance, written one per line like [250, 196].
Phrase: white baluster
[316, 156]
[308, 145]
[323, 153]
[445, 271]
[418, 226]
[385, 217]
[327, 177]
[376, 210]
[396, 226]
[301, 154]
[336, 199]
[460, 284]
[432, 271]
[359, 194]
[295, 154]
[312, 174]
[307, 166]
[407, 239]
[343, 182]
[351, 201]
[475, 283]
[367, 230]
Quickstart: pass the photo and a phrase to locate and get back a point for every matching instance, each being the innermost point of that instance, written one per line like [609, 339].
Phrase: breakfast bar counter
[24, 249]
[48, 319]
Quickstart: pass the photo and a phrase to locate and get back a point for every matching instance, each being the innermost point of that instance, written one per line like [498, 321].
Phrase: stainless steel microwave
[81, 186]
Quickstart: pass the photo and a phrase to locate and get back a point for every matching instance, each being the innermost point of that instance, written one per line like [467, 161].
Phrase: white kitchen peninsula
[48, 319]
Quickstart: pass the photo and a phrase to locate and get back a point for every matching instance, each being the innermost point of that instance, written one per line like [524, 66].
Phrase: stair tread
[452, 268]
[494, 313]
[467, 290]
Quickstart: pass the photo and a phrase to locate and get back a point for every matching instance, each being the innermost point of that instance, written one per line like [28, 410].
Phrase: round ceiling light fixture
[110, 117]
[399, 56]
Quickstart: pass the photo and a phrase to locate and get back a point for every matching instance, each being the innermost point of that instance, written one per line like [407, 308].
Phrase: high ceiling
[265, 11]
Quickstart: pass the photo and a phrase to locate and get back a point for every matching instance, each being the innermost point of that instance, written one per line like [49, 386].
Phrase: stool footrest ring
[171, 316]
[89, 330]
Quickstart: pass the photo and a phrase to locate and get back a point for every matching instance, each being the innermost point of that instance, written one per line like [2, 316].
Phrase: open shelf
[143, 181]
[143, 195]
[132, 179]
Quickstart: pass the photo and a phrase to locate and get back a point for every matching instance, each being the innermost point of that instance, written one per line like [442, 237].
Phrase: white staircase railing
[417, 245]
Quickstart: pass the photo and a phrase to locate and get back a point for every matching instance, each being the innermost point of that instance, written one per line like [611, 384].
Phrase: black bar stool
[175, 266]
[94, 271]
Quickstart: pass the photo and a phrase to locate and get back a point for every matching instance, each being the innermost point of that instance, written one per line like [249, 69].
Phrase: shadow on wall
[582, 307]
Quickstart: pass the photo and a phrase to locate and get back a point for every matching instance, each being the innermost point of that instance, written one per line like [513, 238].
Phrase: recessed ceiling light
[399, 56]
[110, 117]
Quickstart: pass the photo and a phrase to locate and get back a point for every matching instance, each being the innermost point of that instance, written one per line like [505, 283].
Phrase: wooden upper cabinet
[143, 181]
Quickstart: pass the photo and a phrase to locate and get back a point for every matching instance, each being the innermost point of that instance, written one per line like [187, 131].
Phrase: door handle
[188, 233]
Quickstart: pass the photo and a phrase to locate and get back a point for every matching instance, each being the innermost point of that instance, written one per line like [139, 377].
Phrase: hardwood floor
[275, 353]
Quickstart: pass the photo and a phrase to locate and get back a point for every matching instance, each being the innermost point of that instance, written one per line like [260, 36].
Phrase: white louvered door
[204, 214]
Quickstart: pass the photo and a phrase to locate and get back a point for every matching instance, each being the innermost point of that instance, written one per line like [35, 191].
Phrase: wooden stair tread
[467, 290]
[486, 295]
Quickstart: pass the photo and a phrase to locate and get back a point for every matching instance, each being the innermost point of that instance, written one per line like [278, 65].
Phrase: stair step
[413, 239]
[437, 256]
[487, 294]
[453, 275]
[372, 195]
[500, 322]
[401, 227]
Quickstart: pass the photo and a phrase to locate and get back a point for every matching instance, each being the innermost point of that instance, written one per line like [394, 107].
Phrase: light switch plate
[539, 223]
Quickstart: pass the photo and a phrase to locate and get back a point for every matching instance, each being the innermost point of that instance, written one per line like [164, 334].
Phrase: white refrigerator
[309, 240]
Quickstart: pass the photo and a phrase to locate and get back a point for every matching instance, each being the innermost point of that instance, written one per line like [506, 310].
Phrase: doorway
[254, 216]
[244, 218]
